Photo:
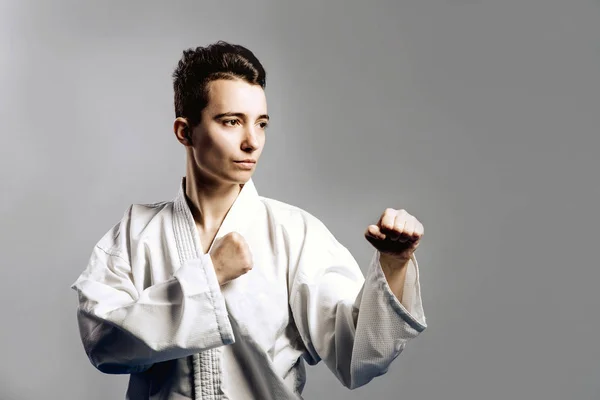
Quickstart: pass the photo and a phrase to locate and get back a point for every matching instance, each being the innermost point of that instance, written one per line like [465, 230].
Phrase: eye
[229, 121]
[264, 125]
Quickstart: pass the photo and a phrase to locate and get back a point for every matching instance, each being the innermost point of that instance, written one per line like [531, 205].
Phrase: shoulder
[286, 214]
[137, 220]
[294, 220]
[312, 248]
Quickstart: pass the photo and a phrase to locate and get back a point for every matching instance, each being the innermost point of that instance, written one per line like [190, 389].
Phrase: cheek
[210, 147]
[205, 152]
[224, 146]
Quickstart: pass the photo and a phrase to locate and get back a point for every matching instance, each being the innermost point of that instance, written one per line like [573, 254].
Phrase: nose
[250, 142]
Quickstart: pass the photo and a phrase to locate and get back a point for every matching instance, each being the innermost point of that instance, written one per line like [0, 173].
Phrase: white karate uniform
[150, 305]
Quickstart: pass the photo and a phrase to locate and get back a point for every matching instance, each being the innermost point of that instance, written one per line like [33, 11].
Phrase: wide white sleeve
[354, 324]
[125, 330]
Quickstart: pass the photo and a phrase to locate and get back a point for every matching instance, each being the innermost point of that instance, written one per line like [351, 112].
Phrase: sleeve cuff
[198, 276]
[410, 309]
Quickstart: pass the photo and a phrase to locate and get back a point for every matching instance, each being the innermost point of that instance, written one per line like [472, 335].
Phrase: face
[228, 142]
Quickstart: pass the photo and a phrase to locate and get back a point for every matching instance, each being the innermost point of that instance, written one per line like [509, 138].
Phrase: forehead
[236, 96]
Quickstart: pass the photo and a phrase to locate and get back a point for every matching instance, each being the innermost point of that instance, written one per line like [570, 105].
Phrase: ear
[182, 131]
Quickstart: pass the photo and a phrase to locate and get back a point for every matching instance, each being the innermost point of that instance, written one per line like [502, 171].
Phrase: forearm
[395, 273]
[385, 324]
[145, 337]
[358, 341]
[354, 323]
[123, 330]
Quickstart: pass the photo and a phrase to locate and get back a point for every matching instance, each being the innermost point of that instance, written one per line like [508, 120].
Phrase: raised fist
[397, 234]
[231, 257]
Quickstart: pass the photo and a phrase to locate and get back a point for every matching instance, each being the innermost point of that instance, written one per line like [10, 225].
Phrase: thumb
[374, 232]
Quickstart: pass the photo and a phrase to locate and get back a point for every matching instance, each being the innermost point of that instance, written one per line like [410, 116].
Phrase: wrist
[220, 278]
[217, 271]
[392, 264]
[394, 269]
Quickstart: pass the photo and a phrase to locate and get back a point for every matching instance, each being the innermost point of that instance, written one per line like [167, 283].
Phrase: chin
[242, 178]
[245, 180]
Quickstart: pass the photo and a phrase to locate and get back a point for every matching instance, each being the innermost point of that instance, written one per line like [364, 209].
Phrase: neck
[209, 200]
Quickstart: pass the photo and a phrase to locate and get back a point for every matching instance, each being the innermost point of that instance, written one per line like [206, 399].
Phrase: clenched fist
[231, 257]
[396, 235]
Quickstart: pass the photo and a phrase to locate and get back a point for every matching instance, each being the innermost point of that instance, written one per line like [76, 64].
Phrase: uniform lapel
[206, 366]
[238, 219]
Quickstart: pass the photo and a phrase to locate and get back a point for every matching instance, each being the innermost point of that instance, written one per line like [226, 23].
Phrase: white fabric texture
[150, 305]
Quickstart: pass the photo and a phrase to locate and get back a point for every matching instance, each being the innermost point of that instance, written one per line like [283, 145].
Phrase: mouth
[246, 164]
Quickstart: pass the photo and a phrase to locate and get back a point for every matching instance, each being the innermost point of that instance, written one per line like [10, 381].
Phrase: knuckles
[235, 237]
[391, 211]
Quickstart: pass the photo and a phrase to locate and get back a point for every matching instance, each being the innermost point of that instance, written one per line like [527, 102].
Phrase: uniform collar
[238, 219]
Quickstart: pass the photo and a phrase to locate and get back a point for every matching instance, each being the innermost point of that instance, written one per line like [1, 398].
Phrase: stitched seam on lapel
[183, 223]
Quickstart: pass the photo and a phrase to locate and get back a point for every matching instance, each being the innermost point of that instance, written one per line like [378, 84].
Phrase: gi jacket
[150, 305]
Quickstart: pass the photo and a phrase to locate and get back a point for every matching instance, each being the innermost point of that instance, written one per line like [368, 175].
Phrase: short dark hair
[198, 67]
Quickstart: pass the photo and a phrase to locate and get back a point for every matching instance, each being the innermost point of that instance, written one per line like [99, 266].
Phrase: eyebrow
[240, 115]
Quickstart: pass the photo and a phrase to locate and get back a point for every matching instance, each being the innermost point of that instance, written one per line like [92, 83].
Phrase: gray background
[481, 118]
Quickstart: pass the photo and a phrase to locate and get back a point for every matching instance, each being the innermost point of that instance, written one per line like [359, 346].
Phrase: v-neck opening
[236, 218]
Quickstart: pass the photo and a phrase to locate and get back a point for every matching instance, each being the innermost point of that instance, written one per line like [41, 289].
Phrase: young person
[224, 294]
